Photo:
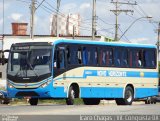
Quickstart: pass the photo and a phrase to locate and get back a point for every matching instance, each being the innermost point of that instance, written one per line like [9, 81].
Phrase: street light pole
[132, 25]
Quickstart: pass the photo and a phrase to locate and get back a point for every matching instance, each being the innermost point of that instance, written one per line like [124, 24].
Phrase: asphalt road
[77, 110]
[102, 109]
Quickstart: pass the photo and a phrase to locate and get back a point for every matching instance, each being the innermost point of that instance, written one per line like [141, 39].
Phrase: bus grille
[31, 93]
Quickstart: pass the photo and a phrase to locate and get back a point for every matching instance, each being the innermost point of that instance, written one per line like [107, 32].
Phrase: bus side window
[135, 56]
[117, 57]
[79, 55]
[93, 56]
[140, 59]
[124, 58]
[130, 58]
[110, 54]
[150, 58]
[68, 54]
[73, 55]
[61, 59]
[102, 57]
[55, 59]
[84, 55]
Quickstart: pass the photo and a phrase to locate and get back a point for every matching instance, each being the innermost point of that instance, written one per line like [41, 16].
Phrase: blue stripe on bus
[102, 43]
[145, 92]
[101, 92]
[113, 92]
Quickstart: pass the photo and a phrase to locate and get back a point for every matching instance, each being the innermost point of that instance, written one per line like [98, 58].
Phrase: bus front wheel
[128, 97]
[33, 101]
[71, 96]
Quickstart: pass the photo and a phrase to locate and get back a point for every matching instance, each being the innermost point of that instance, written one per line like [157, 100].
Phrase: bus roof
[91, 42]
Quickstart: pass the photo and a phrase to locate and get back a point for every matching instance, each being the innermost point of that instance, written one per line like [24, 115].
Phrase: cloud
[16, 16]
[42, 25]
[85, 6]
[141, 40]
[1, 21]
[69, 7]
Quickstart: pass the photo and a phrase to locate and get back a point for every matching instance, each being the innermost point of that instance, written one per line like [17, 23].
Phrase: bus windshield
[29, 63]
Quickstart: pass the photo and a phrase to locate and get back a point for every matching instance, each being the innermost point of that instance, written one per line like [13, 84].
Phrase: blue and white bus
[90, 70]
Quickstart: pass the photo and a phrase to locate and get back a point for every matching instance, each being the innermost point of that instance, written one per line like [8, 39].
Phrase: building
[67, 25]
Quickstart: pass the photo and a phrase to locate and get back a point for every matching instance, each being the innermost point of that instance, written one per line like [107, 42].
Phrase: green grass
[51, 101]
[2, 88]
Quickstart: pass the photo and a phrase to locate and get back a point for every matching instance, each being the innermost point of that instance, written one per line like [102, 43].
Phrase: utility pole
[117, 11]
[94, 20]
[158, 38]
[73, 31]
[33, 8]
[58, 6]
[3, 29]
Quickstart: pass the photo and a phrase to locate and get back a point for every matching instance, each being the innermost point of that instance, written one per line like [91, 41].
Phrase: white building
[66, 24]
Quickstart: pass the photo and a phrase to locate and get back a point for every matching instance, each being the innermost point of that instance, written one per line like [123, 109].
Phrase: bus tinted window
[124, 58]
[102, 57]
[142, 58]
[117, 57]
[150, 58]
[106, 57]
[73, 55]
[89, 55]
[134, 56]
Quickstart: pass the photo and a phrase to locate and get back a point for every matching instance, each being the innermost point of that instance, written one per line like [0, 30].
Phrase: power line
[124, 35]
[104, 21]
[40, 4]
[117, 11]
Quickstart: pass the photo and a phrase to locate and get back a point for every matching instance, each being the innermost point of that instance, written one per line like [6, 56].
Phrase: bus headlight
[45, 84]
[9, 85]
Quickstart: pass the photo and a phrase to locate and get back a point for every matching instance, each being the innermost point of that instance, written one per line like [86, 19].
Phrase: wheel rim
[129, 96]
[72, 94]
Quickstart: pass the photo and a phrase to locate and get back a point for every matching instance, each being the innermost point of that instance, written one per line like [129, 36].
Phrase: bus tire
[128, 97]
[146, 102]
[90, 101]
[33, 101]
[71, 96]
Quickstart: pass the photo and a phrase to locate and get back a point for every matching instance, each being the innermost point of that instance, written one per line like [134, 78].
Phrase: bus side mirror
[3, 59]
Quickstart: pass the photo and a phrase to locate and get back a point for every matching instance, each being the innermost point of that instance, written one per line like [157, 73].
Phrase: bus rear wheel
[150, 100]
[90, 101]
[128, 97]
[71, 96]
[33, 101]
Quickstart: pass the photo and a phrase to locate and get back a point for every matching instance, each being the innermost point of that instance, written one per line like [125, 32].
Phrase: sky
[142, 31]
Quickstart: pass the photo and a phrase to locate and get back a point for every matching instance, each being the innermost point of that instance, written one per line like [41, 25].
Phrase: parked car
[3, 97]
